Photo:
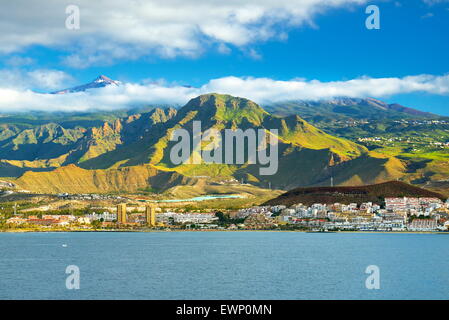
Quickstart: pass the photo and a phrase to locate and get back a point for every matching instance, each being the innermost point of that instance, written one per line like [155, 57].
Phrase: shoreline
[212, 230]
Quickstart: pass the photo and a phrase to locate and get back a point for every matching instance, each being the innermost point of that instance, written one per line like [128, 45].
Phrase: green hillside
[33, 155]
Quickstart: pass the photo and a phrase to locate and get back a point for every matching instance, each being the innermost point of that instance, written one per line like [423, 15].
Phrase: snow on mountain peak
[99, 82]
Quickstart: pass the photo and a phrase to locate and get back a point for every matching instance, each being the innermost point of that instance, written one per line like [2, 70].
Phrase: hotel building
[150, 215]
[121, 213]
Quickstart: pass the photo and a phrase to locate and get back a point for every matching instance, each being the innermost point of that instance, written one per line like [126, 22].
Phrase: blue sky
[338, 48]
[326, 44]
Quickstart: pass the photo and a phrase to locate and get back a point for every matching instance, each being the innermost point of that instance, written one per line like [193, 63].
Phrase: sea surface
[223, 265]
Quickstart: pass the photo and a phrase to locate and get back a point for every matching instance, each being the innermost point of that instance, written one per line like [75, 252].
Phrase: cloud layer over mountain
[261, 90]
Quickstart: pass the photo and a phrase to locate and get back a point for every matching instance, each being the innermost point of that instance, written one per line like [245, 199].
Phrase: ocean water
[223, 265]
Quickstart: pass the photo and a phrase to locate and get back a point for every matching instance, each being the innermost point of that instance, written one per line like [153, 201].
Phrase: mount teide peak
[99, 82]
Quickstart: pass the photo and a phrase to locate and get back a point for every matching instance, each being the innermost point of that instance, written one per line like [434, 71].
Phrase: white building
[106, 216]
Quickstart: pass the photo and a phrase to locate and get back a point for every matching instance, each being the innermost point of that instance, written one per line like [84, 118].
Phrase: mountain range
[128, 151]
[311, 110]
[344, 108]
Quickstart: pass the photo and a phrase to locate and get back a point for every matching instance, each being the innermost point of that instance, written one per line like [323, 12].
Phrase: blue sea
[223, 265]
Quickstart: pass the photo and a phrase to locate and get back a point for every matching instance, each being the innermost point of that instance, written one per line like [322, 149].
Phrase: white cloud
[18, 61]
[432, 2]
[254, 54]
[224, 49]
[40, 79]
[117, 29]
[427, 15]
[261, 90]
[267, 90]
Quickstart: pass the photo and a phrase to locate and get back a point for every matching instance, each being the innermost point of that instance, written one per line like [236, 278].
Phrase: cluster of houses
[87, 197]
[45, 220]
[399, 214]
[437, 144]
[110, 219]
[422, 122]
[182, 218]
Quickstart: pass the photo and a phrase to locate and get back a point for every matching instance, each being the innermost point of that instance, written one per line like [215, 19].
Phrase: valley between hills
[348, 141]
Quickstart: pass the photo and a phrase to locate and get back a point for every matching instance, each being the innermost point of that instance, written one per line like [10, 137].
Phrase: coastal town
[395, 214]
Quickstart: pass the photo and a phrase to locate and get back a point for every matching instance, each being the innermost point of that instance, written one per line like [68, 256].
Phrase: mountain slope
[345, 108]
[51, 145]
[77, 180]
[370, 193]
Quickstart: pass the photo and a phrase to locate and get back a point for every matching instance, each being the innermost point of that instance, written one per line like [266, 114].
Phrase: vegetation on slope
[110, 152]
[370, 193]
